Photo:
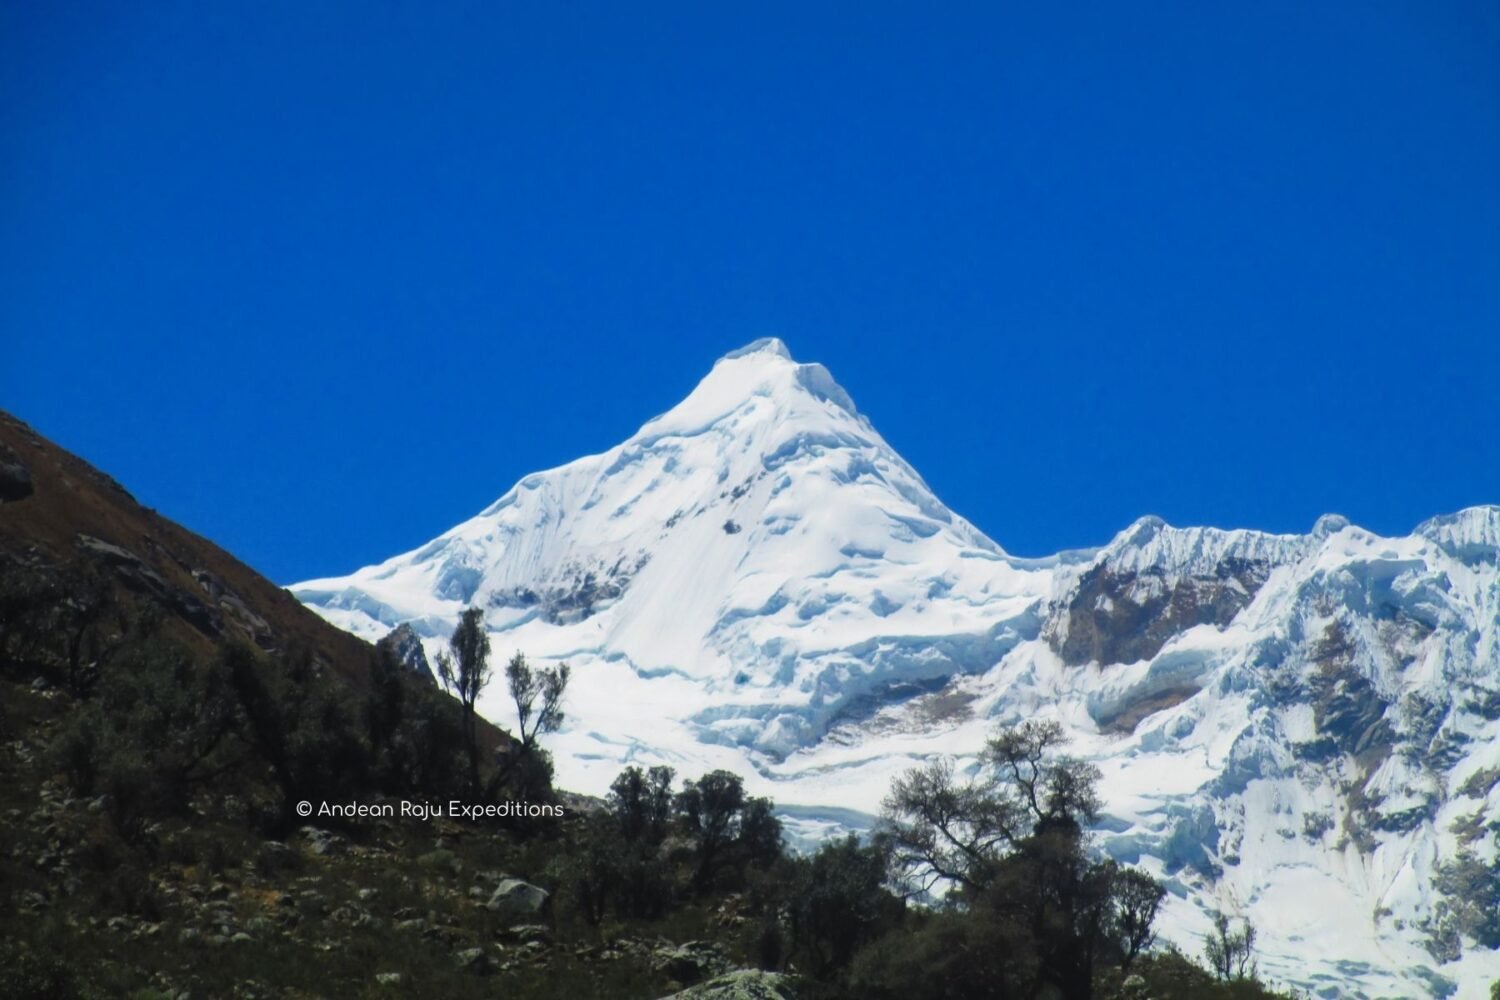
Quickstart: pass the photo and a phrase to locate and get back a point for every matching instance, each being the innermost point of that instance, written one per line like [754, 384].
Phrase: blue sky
[320, 280]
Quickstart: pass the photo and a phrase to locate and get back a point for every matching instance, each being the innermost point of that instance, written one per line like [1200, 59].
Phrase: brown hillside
[58, 511]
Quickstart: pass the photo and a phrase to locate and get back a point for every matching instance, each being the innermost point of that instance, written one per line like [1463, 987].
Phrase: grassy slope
[401, 896]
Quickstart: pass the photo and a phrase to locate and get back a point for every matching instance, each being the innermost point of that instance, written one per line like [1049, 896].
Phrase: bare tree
[1049, 788]
[528, 686]
[1230, 953]
[946, 829]
[537, 695]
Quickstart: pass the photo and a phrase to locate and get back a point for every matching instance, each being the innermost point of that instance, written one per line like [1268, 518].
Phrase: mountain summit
[1303, 729]
[759, 542]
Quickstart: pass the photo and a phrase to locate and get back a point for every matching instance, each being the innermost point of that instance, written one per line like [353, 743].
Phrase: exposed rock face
[575, 593]
[1154, 582]
[1126, 617]
[227, 615]
[322, 842]
[1348, 713]
[15, 478]
[133, 571]
[234, 607]
[475, 961]
[406, 646]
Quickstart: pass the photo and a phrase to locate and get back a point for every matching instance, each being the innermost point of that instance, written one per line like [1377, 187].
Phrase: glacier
[1300, 729]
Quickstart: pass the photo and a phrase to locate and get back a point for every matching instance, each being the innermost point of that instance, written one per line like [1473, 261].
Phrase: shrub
[24, 973]
[159, 727]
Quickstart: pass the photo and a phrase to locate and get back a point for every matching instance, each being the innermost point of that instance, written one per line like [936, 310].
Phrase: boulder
[742, 984]
[526, 933]
[690, 963]
[322, 842]
[517, 900]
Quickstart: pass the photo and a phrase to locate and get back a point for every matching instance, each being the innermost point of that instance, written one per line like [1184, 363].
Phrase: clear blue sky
[320, 280]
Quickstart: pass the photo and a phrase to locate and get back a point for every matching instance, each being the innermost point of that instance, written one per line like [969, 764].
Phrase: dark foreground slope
[164, 709]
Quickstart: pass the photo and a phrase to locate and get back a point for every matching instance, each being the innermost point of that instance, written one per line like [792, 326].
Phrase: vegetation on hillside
[153, 845]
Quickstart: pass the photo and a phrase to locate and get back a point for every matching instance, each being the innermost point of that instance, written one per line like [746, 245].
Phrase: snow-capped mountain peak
[763, 369]
[1299, 728]
[748, 538]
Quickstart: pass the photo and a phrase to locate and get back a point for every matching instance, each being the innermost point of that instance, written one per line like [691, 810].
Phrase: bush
[24, 973]
[304, 726]
[130, 890]
[947, 957]
[590, 877]
[160, 726]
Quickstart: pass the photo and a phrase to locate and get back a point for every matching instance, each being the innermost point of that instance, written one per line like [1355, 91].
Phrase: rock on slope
[1300, 728]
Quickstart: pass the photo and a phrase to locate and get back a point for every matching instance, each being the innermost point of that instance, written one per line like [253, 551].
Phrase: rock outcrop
[406, 646]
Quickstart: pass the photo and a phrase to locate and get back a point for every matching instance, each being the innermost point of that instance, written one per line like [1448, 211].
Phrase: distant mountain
[1299, 728]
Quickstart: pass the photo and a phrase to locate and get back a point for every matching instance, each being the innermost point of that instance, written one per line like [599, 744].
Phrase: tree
[302, 723]
[759, 840]
[728, 828]
[158, 729]
[642, 803]
[590, 875]
[465, 670]
[1040, 785]
[537, 694]
[426, 752]
[839, 903]
[1011, 842]
[1050, 894]
[1139, 898]
[710, 809]
[640, 809]
[527, 685]
[1230, 953]
[944, 829]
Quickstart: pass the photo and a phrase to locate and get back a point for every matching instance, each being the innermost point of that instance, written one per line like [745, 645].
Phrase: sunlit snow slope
[1304, 729]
